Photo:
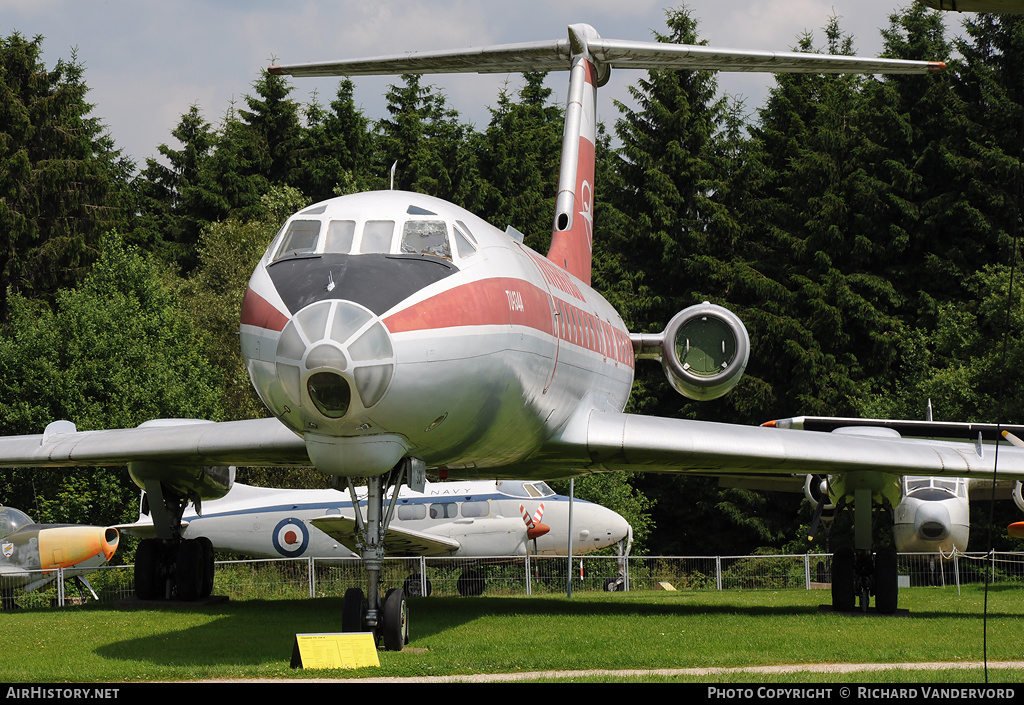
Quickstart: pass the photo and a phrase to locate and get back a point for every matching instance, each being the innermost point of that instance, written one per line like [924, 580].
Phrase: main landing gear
[859, 574]
[387, 618]
[170, 566]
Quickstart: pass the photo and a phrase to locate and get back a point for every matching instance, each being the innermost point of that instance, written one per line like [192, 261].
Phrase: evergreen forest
[863, 227]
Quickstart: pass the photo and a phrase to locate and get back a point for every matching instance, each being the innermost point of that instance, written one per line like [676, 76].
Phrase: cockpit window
[463, 242]
[426, 237]
[11, 520]
[340, 234]
[377, 236]
[300, 238]
[933, 487]
[524, 489]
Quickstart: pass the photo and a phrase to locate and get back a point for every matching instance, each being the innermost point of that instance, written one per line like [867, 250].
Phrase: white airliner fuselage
[468, 519]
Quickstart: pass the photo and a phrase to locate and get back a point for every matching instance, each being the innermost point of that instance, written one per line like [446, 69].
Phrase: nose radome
[932, 521]
[330, 348]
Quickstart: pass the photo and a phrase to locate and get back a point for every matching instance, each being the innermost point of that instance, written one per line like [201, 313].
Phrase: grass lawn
[635, 630]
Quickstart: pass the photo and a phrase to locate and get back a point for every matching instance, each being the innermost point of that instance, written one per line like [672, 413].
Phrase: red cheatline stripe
[487, 302]
[257, 311]
[512, 302]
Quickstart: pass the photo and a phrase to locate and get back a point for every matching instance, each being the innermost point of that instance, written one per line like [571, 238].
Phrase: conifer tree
[833, 324]
[59, 173]
[910, 122]
[518, 157]
[336, 147]
[425, 141]
[176, 205]
[274, 129]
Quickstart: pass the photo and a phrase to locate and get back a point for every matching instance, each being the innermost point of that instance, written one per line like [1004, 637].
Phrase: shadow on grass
[231, 633]
[246, 633]
[255, 632]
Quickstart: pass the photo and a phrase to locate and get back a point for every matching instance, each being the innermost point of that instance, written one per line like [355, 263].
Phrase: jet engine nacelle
[202, 483]
[704, 350]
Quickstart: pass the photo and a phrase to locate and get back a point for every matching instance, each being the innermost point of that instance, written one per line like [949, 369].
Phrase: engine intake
[704, 350]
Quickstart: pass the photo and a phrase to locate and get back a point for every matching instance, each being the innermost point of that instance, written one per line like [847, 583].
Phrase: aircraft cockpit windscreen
[426, 237]
[531, 490]
[340, 236]
[377, 235]
[11, 520]
[430, 237]
[300, 238]
[463, 240]
[934, 488]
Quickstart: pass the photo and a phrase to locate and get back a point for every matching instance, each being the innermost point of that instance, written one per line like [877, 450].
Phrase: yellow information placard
[335, 650]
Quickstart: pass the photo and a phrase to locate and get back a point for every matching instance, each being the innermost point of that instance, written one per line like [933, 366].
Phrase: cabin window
[475, 509]
[412, 512]
[300, 238]
[426, 237]
[445, 510]
[377, 236]
[340, 234]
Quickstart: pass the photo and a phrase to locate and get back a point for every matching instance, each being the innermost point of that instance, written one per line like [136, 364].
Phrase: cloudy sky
[147, 62]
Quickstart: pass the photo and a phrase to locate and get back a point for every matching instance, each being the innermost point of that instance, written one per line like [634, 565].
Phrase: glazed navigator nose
[333, 355]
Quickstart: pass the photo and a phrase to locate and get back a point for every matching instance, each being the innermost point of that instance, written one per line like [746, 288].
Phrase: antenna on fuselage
[393, 167]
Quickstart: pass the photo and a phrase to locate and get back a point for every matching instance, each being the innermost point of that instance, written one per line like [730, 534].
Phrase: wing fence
[299, 578]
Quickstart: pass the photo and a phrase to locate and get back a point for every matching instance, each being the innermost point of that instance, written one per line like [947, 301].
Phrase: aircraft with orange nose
[31, 554]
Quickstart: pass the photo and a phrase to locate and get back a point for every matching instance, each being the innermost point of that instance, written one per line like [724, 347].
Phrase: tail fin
[572, 234]
[591, 59]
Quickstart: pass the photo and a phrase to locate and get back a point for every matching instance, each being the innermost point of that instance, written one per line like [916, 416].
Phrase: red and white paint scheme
[393, 334]
[365, 347]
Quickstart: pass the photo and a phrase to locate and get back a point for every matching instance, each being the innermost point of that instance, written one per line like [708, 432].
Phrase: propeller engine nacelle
[816, 491]
[704, 350]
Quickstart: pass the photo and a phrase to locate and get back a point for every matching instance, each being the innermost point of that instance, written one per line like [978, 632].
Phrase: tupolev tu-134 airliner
[393, 335]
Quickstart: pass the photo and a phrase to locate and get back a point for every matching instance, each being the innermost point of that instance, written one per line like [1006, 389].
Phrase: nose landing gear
[387, 618]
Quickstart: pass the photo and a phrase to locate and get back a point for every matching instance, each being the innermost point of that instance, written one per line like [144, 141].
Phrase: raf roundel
[291, 537]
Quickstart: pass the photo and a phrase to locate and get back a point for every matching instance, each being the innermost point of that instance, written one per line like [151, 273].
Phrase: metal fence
[304, 577]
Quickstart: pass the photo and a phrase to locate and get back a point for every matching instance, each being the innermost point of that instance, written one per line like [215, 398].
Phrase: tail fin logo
[587, 202]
